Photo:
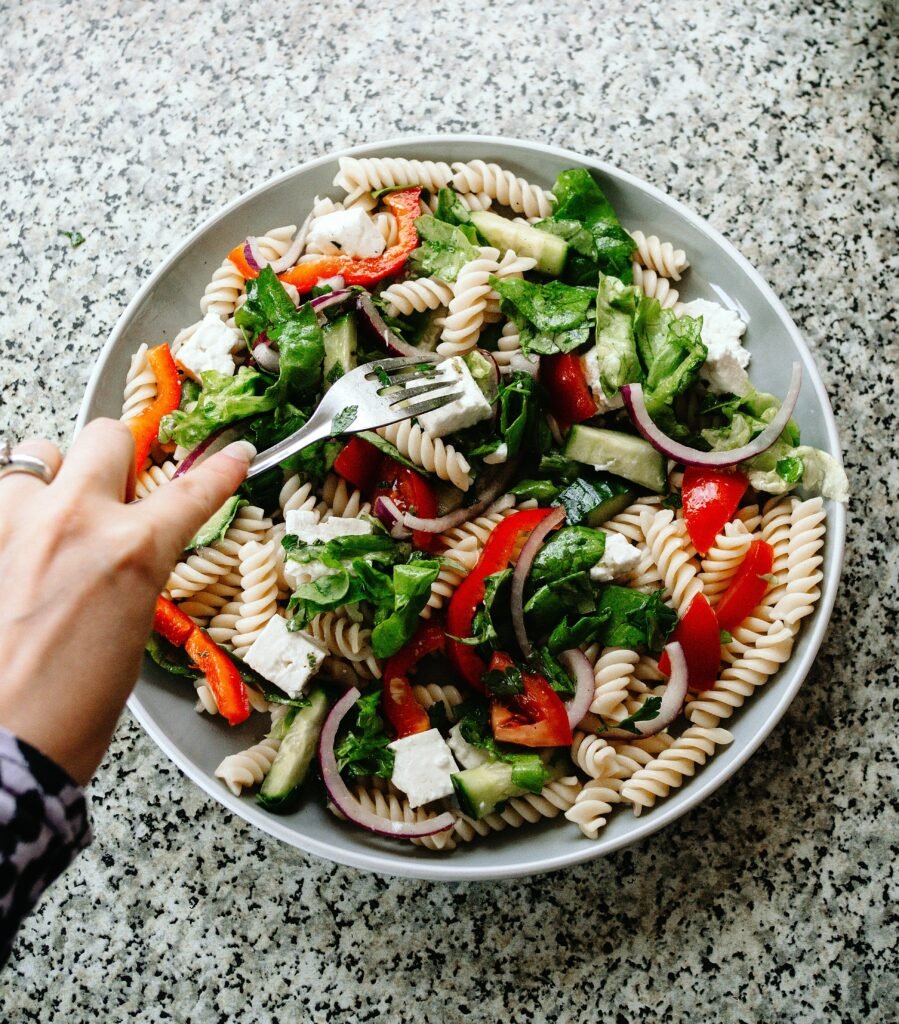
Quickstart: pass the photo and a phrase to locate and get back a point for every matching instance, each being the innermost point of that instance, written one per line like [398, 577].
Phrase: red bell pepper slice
[699, 634]
[534, 718]
[570, 398]
[404, 205]
[710, 499]
[497, 554]
[358, 463]
[221, 673]
[401, 709]
[410, 492]
[145, 426]
[748, 586]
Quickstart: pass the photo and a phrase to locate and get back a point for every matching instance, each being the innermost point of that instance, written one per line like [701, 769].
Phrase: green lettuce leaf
[395, 625]
[444, 249]
[633, 619]
[782, 469]
[552, 317]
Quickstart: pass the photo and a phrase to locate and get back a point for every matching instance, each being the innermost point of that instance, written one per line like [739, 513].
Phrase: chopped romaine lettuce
[551, 317]
[444, 249]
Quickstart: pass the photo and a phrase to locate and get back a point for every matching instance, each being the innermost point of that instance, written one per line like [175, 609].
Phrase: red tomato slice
[358, 463]
[401, 708]
[410, 492]
[570, 398]
[533, 718]
[710, 498]
[496, 555]
[700, 636]
[748, 586]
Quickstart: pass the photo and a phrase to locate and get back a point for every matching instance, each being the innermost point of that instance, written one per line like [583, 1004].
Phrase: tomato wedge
[410, 492]
[534, 718]
[700, 636]
[710, 499]
[748, 586]
[497, 554]
[401, 708]
[358, 463]
[570, 398]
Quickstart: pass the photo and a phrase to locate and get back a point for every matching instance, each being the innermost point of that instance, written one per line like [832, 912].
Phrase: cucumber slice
[594, 501]
[621, 454]
[281, 787]
[339, 338]
[610, 508]
[480, 789]
[548, 250]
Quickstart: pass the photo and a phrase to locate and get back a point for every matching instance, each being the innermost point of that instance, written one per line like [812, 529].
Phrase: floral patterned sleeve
[43, 825]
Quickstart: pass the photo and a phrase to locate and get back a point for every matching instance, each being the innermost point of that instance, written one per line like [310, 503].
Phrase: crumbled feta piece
[619, 559]
[289, 659]
[498, 455]
[423, 766]
[471, 407]
[590, 363]
[297, 573]
[467, 755]
[725, 365]
[305, 527]
[345, 233]
[209, 348]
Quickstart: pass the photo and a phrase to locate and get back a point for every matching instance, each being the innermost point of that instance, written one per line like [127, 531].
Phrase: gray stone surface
[776, 121]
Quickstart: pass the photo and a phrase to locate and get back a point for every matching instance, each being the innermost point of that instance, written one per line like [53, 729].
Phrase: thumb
[179, 509]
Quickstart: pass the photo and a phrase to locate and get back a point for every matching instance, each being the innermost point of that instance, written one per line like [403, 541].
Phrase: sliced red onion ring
[496, 485]
[217, 440]
[577, 665]
[267, 358]
[522, 569]
[672, 701]
[636, 407]
[334, 298]
[343, 799]
[390, 341]
[255, 260]
[386, 510]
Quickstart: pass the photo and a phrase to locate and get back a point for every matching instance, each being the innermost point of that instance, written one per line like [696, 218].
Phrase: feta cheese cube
[499, 455]
[619, 559]
[286, 658]
[347, 233]
[209, 348]
[297, 573]
[471, 407]
[423, 766]
[725, 365]
[590, 363]
[305, 527]
[467, 755]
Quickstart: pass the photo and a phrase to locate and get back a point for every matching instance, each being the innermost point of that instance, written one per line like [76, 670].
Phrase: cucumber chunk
[480, 789]
[339, 339]
[548, 250]
[281, 787]
[594, 501]
[621, 454]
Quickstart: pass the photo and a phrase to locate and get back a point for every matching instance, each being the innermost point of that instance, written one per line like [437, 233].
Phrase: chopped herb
[344, 419]
[726, 638]
[504, 682]
[647, 712]
[75, 238]
[383, 376]
[363, 751]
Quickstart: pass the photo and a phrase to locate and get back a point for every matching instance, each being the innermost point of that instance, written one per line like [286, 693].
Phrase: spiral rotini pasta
[668, 771]
[612, 673]
[661, 257]
[509, 355]
[594, 803]
[416, 296]
[723, 559]
[344, 638]
[259, 592]
[629, 522]
[654, 286]
[140, 385]
[343, 501]
[358, 176]
[503, 186]
[153, 477]
[385, 800]
[471, 292]
[431, 453]
[592, 754]
[803, 574]
[555, 799]
[672, 552]
[432, 693]
[248, 767]
[510, 266]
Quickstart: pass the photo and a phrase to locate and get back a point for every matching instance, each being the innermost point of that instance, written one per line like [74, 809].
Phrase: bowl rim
[702, 785]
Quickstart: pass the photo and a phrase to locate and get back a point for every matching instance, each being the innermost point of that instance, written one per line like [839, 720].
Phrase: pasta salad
[543, 599]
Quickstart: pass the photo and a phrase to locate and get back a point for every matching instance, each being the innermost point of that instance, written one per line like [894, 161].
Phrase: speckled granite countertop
[776, 121]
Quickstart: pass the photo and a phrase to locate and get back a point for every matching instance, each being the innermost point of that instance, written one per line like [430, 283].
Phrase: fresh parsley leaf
[633, 619]
[75, 238]
[726, 638]
[363, 751]
[503, 682]
[344, 419]
[383, 376]
[647, 712]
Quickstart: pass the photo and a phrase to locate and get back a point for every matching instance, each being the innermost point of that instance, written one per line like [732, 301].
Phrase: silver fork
[371, 396]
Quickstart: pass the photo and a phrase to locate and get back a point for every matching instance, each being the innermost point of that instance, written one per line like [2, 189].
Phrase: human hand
[80, 572]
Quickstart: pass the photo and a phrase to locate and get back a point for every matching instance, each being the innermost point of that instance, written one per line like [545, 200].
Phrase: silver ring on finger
[10, 463]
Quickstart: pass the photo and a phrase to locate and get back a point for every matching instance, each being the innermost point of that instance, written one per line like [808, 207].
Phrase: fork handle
[317, 429]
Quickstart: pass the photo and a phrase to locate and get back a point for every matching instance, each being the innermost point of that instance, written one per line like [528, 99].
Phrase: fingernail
[242, 451]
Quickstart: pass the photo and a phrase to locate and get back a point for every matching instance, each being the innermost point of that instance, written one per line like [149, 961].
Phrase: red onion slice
[334, 298]
[390, 341]
[267, 358]
[577, 665]
[520, 576]
[462, 515]
[217, 440]
[386, 510]
[343, 799]
[255, 260]
[672, 701]
[636, 407]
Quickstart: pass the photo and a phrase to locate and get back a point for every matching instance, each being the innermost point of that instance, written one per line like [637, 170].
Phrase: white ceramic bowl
[169, 301]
